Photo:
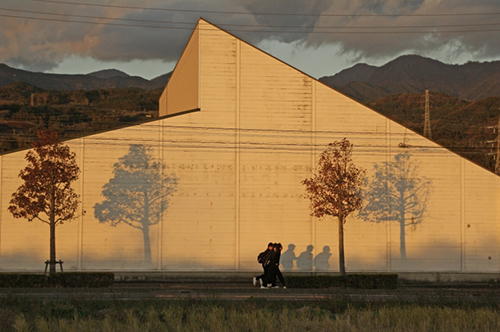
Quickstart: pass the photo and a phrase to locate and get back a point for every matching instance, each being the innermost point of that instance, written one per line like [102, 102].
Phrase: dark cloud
[118, 43]
[383, 7]
[410, 26]
[32, 64]
[291, 27]
[129, 43]
[43, 44]
[371, 29]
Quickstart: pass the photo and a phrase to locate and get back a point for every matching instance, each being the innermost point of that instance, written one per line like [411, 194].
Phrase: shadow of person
[305, 259]
[288, 257]
[321, 260]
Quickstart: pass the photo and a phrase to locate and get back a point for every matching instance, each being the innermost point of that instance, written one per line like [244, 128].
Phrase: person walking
[264, 258]
[274, 270]
[279, 248]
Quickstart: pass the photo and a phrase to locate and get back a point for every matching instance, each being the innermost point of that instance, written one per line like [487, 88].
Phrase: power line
[254, 25]
[265, 14]
[251, 136]
[82, 114]
[255, 31]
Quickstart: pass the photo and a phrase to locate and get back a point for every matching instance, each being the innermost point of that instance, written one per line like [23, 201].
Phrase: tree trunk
[52, 223]
[52, 262]
[341, 246]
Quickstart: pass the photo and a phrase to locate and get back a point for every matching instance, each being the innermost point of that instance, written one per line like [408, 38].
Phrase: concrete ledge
[449, 277]
[245, 276]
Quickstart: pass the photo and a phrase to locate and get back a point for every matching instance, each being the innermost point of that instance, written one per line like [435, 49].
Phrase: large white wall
[256, 130]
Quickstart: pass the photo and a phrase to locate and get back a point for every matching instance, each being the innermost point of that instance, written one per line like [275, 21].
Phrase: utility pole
[427, 123]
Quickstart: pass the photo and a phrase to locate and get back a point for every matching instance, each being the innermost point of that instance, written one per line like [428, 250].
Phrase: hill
[105, 79]
[24, 109]
[464, 127]
[364, 83]
[415, 74]
[108, 73]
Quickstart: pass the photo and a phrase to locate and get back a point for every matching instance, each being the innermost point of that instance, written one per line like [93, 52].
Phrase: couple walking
[270, 260]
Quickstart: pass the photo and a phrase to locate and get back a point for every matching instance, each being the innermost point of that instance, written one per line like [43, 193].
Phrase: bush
[83, 279]
[71, 279]
[363, 281]
[22, 280]
[372, 281]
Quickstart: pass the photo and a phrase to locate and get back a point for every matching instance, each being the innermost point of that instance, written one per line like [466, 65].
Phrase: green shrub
[83, 279]
[22, 280]
[71, 279]
[364, 281]
[372, 281]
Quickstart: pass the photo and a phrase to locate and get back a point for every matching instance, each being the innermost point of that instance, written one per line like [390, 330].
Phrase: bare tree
[138, 194]
[335, 190]
[398, 193]
[46, 193]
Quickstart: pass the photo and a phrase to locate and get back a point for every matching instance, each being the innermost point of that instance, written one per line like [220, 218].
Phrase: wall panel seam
[237, 155]
[388, 224]
[80, 219]
[159, 257]
[462, 216]
[313, 161]
[1, 205]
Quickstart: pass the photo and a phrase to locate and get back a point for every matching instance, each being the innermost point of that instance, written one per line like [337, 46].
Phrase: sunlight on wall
[238, 163]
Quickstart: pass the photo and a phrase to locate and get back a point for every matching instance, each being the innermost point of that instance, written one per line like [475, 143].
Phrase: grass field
[250, 315]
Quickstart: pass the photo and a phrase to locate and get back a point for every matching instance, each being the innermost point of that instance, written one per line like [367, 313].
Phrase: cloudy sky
[319, 37]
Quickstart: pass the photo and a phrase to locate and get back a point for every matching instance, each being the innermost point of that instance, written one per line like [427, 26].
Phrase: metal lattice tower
[427, 123]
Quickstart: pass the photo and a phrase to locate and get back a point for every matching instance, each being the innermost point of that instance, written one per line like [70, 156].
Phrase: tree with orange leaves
[46, 193]
[335, 190]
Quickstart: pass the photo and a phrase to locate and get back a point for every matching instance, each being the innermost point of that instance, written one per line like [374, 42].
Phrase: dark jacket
[266, 257]
[275, 258]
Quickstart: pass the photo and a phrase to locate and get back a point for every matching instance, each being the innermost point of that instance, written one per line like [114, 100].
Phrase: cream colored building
[239, 130]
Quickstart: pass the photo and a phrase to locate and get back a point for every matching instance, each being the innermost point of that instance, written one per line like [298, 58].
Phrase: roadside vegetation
[251, 315]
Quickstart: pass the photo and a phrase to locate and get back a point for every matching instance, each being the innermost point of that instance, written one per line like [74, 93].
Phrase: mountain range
[415, 74]
[104, 79]
[363, 82]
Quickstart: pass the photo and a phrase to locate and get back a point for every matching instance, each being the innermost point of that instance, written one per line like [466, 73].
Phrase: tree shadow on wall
[396, 192]
[138, 194]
